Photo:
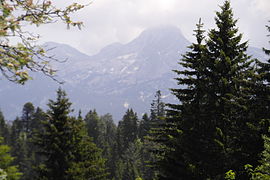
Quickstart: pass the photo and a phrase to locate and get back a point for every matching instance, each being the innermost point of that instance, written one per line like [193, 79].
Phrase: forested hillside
[218, 127]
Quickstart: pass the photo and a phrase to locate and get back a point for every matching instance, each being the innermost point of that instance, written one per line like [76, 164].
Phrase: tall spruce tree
[69, 153]
[230, 79]
[207, 134]
[181, 134]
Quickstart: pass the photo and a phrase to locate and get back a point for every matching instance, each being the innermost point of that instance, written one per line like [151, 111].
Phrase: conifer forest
[217, 130]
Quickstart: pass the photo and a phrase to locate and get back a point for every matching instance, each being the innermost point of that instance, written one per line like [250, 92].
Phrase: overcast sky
[108, 21]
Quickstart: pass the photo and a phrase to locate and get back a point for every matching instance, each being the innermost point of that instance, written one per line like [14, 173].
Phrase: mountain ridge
[120, 76]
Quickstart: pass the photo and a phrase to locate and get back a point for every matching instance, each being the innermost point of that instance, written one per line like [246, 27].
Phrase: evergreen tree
[94, 126]
[262, 100]
[178, 133]
[229, 91]
[69, 153]
[207, 134]
[132, 161]
[127, 130]
[144, 126]
[27, 116]
[151, 128]
[262, 172]
[157, 108]
[19, 148]
[4, 131]
[22, 148]
[8, 171]
[109, 144]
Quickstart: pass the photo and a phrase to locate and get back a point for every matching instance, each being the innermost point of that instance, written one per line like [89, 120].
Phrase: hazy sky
[108, 21]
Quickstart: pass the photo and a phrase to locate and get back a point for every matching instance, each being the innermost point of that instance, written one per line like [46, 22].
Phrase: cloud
[108, 21]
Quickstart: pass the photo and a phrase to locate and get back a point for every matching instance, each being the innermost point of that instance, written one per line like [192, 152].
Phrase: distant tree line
[219, 129]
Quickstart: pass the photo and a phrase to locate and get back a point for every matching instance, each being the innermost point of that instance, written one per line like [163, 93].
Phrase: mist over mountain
[120, 76]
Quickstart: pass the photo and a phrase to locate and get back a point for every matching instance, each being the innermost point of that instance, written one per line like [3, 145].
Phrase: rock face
[120, 76]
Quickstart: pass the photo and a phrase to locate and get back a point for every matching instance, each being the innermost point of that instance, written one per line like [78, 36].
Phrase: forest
[219, 129]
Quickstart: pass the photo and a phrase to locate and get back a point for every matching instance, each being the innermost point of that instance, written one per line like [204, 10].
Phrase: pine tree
[69, 153]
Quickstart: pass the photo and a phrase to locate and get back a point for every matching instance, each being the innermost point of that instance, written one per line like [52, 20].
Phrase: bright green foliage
[7, 170]
[230, 175]
[4, 131]
[68, 151]
[17, 60]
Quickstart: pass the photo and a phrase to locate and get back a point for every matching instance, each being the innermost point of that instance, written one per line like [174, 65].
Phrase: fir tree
[69, 153]
[207, 134]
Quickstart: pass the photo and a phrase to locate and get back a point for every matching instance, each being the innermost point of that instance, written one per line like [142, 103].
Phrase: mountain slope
[118, 77]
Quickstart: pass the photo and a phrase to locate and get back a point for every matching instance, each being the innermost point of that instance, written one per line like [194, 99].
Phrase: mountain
[120, 76]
